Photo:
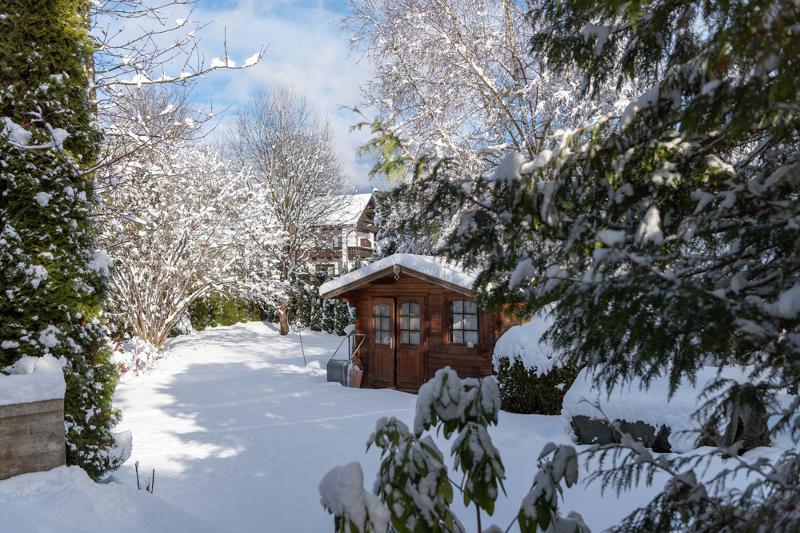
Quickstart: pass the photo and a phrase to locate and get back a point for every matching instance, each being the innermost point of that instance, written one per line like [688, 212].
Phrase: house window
[464, 322]
[365, 243]
[409, 324]
[329, 269]
[381, 319]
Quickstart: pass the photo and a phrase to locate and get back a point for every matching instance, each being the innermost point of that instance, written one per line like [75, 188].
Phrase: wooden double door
[398, 342]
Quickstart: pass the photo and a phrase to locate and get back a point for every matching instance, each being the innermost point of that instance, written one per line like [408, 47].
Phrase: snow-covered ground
[240, 434]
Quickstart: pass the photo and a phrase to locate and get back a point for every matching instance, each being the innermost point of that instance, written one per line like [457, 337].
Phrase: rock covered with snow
[652, 405]
[525, 344]
[32, 379]
[434, 267]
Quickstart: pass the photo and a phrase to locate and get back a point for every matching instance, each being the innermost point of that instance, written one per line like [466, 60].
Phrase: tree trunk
[283, 319]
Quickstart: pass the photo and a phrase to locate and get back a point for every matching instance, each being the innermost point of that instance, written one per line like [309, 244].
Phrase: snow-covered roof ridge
[32, 379]
[350, 211]
[434, 267]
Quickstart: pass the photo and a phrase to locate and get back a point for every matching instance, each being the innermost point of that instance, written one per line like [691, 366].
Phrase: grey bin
[337, 370]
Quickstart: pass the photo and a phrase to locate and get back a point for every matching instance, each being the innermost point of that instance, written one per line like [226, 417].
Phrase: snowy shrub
[531, 375]
[220, 310]
[413, 480]
[307, 309]
[134, 355]
[526, 390]
[356, 510]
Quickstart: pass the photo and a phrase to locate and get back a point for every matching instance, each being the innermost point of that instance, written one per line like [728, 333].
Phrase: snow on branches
[454, 81]
[172, 236]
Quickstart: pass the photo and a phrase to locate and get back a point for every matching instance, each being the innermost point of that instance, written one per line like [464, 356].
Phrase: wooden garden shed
[419, 315]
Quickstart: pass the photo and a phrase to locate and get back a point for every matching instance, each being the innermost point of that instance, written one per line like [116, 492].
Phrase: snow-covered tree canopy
[455, 81]
[294, 181]
[174, 235]
[171, 214]
[665, 235]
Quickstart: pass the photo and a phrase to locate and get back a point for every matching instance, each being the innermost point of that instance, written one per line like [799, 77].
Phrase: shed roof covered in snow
[350, 208]
[433, 269]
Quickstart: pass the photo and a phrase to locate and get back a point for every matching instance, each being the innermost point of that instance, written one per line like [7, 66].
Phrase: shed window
[381, 319]
[463, 322]
[409, 324]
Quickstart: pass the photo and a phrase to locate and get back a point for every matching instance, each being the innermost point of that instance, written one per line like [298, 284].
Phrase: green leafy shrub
[221, 310]
[523, 390]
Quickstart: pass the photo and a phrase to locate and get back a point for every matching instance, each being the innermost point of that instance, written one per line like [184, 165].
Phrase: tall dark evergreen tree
[52, 280]
[666, 237]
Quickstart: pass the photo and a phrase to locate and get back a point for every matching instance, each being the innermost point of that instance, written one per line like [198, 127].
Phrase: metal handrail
[351, 351]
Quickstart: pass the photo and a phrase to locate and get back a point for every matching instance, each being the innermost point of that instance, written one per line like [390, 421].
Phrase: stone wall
[31, 437]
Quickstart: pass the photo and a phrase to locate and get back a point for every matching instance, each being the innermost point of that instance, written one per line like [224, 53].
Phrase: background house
[347, 236]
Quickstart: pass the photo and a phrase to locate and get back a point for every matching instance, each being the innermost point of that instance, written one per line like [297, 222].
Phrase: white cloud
[306, 49]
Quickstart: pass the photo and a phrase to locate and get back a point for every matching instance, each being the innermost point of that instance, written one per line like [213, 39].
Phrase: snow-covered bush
[176, 239]
[356, 510]
[307, 309]
[531, 375]
[134, 355]
[413, 480]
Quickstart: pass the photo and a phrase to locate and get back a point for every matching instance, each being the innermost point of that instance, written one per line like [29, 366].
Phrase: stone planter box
[31, 437]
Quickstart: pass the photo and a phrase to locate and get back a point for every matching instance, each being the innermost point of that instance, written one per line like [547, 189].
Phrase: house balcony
[326, 253]
[360, 252]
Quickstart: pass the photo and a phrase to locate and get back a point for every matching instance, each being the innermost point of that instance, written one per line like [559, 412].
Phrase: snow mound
[524, 343]
[66, 500]
[435, 267]
[32, 379]
[651, 405]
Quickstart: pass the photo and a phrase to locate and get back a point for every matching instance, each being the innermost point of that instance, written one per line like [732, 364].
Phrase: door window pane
[464, 322]
[410, 324]
[381, 318]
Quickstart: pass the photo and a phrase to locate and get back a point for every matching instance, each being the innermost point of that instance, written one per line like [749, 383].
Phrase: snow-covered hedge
[530, 373]
[32, 379]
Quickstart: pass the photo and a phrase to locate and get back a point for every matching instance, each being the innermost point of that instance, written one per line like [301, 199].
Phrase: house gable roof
[433, 269]
[349, 211]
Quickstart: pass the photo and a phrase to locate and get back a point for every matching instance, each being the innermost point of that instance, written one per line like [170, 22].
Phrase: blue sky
[307, 48]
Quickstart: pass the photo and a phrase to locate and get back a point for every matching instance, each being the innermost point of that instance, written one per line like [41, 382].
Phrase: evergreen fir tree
[666, 237]
[51, 278]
